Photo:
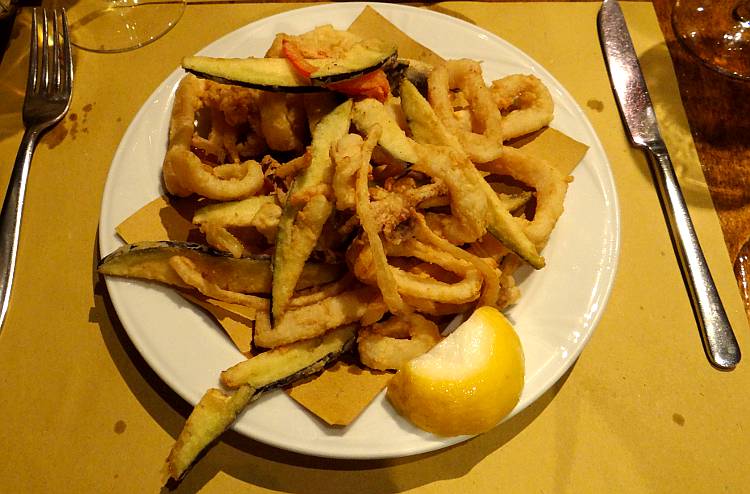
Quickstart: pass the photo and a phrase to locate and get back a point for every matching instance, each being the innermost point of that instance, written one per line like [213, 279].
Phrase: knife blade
[638, 114]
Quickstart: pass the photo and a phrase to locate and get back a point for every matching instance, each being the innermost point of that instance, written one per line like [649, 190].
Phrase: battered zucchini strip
[217, 409]
[315, 295]
[150, 261]
[213, 414]
[516, 201]
[370, 113]
[468, 203]
[276, 74]
[427, 129]
[190, 274]
[306, 209]
[422, 120]
[284, 365]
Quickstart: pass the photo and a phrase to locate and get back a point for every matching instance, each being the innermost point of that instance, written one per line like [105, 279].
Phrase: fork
[48, 91]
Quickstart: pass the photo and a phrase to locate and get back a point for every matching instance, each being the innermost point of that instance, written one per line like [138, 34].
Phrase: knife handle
[718, 338]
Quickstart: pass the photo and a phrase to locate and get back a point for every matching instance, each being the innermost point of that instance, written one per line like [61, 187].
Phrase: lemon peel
[468, 382]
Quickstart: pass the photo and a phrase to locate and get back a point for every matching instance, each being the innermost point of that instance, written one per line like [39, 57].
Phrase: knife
[638, 115]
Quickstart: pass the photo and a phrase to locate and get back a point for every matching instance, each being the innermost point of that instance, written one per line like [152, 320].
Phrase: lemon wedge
[468, 382]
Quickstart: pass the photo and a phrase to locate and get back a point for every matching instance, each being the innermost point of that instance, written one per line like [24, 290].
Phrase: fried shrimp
[390, 344]
[525, 102]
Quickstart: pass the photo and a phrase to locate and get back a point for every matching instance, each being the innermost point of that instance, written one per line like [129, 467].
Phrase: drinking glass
[717, 32]
[119, 25]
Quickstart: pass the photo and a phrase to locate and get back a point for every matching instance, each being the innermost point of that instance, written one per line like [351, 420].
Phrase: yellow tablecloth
[641, 410]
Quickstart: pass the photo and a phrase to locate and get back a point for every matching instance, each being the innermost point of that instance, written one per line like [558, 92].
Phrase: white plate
[558, 311]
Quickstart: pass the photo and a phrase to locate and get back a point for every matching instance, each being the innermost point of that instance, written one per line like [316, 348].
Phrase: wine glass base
[717, 33]
[110, 26]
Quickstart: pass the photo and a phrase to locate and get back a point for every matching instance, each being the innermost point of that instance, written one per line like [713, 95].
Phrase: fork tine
[45, 52]
[67, 82]
[31, 83]
[55, 65]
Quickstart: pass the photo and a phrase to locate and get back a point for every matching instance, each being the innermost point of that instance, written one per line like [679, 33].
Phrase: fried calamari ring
[525, 102]
[549, 183]
[390, 344]
[466, 290]
[491, 279]
[419, 285]
[185, 173]
[484, 142]
[437, 309]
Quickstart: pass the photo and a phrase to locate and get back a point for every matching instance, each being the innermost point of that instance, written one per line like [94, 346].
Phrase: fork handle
[10, 217]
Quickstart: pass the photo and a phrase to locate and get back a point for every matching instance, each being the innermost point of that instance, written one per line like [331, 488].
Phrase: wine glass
[119, 25]
[717, 32]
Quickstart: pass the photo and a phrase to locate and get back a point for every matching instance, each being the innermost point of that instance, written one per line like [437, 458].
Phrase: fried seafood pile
[371, 217]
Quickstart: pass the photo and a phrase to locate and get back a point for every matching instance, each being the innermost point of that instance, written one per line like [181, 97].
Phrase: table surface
[641, 410]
